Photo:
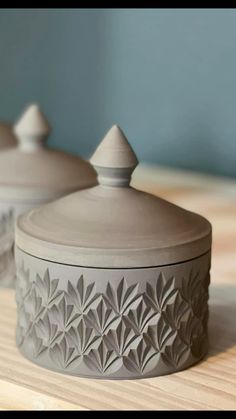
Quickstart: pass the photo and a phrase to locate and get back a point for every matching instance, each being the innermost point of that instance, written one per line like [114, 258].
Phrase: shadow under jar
[112, 282]
[32, 174]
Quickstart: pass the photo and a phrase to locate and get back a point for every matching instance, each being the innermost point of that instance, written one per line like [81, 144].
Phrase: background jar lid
[32, 170]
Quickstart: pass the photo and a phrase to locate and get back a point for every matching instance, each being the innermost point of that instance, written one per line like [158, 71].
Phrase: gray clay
[112, 282]
[105, 323]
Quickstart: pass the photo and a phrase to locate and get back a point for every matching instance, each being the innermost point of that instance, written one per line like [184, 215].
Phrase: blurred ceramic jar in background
[32, 174]
[7, 137]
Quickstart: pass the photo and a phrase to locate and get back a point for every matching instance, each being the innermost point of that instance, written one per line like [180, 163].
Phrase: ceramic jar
[112, 282]
[7, 137]
[32, 174]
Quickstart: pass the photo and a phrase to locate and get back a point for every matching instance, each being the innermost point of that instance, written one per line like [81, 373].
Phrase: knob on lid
[114, 159]
[113, 225]
[32, 128]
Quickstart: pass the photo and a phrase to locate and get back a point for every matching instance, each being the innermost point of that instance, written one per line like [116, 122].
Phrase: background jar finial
[114, 159]
[32, 129]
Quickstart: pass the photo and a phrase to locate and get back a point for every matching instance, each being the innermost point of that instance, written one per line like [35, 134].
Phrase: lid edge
[112, 258]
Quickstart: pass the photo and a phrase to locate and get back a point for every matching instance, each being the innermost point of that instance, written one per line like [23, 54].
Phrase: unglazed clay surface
[120, 323]
[7, 264]
[7, 137]
[8, 213]
[31, 174]
[33, 165]
[113, 225]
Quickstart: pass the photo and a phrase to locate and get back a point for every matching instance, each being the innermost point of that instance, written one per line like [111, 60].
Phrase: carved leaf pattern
[64, 355]
[34, 305]
[159, 335]
[36, 343]
[122, 298]
[62, 314]
[48, 289]
[189, 328]
[47, 331]
[122, 339]
[195, 292]
[139, 318]
[175, 312]
[101, 318]
[81, 296]
[120, 328]
[160, 295]
[139, 360]
[102, 359]
[174, 354]
[190, 286]
[82, 337]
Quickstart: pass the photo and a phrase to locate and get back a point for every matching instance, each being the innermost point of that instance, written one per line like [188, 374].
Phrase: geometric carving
[122, 339]
[159, 334]
[47, 289]
[139, 360]
[101, 318]
[159, 296]
[81, 296]
[123, 297]
[125, 330]
[82, 337]
[62, 354]
[173, 354]
[102, 359]
[174, 313]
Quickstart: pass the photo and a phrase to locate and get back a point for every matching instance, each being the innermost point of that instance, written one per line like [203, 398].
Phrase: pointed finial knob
[32, 129]
[114, 159]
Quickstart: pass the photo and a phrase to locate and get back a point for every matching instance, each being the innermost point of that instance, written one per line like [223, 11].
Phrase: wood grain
[210, 385]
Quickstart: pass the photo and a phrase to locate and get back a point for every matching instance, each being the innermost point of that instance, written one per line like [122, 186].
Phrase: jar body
[112, 323]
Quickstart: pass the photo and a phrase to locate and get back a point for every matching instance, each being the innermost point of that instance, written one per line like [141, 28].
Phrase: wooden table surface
[209, 385]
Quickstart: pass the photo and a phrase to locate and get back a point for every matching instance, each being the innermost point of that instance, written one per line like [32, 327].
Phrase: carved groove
[79, 329]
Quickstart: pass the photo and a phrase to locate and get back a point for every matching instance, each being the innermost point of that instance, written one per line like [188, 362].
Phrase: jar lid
[113, 225]
[32, 166]
[7, 137]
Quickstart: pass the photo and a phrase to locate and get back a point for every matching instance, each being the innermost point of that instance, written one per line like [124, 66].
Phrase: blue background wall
[167, 77]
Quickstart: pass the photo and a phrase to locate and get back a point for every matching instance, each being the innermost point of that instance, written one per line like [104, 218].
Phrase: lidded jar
[7, 137]
[112, 282]
[32, 174]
